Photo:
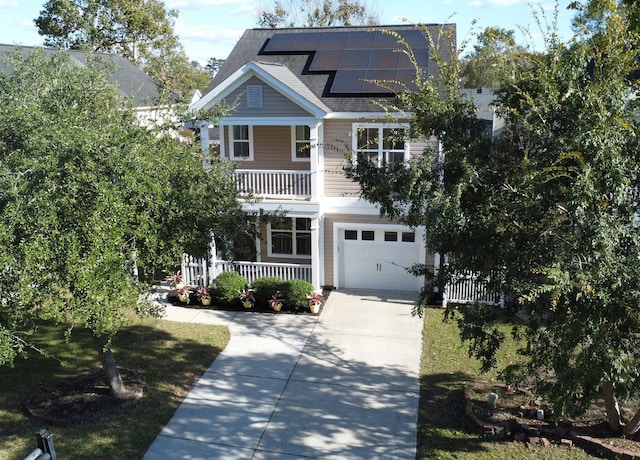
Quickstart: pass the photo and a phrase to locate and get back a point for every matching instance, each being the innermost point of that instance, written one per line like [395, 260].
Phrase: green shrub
[225, 289]
[295, 294]
[264, 288]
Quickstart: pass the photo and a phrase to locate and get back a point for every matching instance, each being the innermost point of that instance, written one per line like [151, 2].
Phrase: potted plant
[183, 294]
[204, 295]
[315, 300]
[247, 298]
[276, 301]
[176, 282]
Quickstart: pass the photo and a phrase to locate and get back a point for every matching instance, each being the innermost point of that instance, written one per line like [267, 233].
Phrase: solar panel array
[358, 58]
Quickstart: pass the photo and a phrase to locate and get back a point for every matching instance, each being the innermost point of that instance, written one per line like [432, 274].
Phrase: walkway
[343, 385]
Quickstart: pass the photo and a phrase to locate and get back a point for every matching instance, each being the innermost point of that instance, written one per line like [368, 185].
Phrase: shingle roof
[318, 77]
[133, 82]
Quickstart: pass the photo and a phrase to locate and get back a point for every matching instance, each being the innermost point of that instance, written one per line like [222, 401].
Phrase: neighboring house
[134, 84]
[306, 109]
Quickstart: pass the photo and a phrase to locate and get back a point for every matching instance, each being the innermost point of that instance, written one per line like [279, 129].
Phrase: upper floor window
[382, 144]
[290, 236]
[301, 143]
[241, 142]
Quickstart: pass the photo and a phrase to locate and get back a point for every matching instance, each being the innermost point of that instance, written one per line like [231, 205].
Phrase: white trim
[368, 115]
[349, 205]
[294, 145]
[232, 156]
[269, 121]
[340, 226]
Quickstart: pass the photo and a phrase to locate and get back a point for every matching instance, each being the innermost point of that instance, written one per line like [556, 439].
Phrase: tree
[140, 31]
[86, 192]
[548, 212]
[315, 13]
[491, 57]
[213, 65]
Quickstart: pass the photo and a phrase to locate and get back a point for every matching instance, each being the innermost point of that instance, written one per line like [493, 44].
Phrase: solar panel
[355, 56]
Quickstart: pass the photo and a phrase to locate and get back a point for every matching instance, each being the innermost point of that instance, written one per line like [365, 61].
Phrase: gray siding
[274, 103]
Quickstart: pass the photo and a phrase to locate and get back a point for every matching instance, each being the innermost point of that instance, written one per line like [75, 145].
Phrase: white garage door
[378, 258]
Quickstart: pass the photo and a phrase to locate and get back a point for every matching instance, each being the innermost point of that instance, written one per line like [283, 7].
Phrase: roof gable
[275, 75]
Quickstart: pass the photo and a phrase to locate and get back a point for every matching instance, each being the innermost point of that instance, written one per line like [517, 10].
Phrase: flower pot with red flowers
[315, 301]
[204, 296]
[183, 294]
[276, 301]
[247, 298]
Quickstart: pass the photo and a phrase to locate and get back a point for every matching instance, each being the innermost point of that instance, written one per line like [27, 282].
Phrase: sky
[210, 28]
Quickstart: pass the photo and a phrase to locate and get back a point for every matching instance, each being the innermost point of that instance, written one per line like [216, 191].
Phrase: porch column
[315, 255]
[315, 139]
[204, 137]
[204, 145]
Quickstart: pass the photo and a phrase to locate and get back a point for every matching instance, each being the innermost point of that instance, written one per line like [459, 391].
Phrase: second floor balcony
[284, 184]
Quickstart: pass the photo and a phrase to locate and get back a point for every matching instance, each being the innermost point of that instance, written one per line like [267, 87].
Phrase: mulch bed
[172, 297]
[516, 418]
[82, 398]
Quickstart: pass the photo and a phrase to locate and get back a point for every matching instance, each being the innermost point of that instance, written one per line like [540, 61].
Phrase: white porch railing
[198, 272]
[469, 288]
[274, 183]
[254, 270]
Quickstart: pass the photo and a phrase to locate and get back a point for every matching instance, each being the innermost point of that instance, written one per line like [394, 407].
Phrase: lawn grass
[170, 356]
[446, 369]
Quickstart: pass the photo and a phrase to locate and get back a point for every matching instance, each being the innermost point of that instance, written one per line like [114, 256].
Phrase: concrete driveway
[344, 384]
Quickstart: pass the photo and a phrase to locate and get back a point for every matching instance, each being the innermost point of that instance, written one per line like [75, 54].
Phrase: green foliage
[84, 190]
[551, 204]
[266, 287]
[227, 286]
[492, 58]
[295, 294]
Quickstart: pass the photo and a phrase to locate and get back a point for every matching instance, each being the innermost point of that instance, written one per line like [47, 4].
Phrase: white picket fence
[467, 288]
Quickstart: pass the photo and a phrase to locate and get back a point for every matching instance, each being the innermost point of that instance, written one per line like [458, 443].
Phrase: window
[409, 237]
[391, 236]
[301, 143]
[351, 234]
[368, 235]
[290, 236]
[241, 142]
[384, 145]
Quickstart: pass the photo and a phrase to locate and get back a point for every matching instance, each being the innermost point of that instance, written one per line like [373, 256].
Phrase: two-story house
[306, 107]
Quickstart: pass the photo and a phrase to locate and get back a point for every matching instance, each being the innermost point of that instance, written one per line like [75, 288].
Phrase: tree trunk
[633, 425]
[611, 407]
[110, 367]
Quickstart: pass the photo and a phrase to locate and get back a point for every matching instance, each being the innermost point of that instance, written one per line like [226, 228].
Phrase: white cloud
[9, 4]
